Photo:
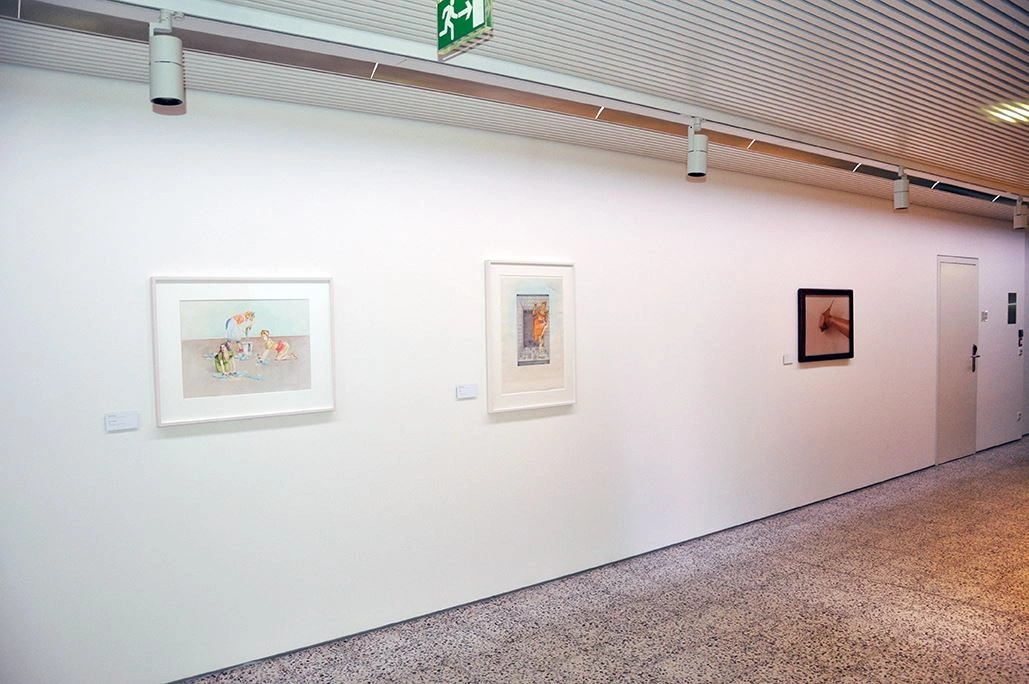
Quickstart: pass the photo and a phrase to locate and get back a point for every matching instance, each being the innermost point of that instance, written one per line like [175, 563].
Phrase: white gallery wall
[157, 554]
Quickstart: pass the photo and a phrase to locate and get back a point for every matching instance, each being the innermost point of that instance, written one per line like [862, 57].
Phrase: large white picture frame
[231, 348]
[530, 335]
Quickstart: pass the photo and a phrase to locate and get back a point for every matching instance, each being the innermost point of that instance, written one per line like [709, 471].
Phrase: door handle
[975, 355]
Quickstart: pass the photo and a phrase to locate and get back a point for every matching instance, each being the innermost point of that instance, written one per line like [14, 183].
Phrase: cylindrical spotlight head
[1021, 217]
[696, 157]
[167, 82]
[901, 190]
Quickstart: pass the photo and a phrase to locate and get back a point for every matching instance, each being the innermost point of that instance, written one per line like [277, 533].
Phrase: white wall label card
[120, 421]
[467, 391]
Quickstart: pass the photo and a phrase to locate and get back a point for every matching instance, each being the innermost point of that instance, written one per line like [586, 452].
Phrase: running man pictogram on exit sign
[461, 25]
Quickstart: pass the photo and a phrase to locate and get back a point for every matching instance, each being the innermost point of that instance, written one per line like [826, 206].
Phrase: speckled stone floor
[924, 578]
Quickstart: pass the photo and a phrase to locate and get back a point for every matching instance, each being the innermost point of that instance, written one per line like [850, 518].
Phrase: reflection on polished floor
[924, 578]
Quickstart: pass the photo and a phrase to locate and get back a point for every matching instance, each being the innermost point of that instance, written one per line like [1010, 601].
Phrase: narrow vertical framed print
[229, 348]
[530, 335]
[825, 324]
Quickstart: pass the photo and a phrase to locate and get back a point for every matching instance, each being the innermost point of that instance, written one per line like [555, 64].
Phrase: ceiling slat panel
[883, 58]
[907, 79]
[1017, 13]
[1001, 23]
[922, 33]
[870, 72]
[409, 19]
[899, 89]
[749, 25]
[960, 25]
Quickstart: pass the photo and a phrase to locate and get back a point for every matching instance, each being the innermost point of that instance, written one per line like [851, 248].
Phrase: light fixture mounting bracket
[164, 22]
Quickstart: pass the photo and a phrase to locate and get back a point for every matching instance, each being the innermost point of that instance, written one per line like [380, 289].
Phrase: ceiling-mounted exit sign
[461, 25]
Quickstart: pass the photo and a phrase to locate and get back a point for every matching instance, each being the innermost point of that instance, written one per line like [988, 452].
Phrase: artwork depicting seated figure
[225, 360]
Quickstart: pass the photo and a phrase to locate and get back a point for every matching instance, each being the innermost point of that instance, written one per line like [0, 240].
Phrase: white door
[958, 358]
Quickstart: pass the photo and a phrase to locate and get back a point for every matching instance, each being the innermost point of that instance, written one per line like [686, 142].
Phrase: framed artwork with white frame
[232, 348]
[530, 335]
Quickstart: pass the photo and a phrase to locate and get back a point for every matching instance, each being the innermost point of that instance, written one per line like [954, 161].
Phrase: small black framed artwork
[825, 324]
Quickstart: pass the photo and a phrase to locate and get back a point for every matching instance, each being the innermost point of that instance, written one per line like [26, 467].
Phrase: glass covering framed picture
[530, 335]
[825, 324]
[231, 348]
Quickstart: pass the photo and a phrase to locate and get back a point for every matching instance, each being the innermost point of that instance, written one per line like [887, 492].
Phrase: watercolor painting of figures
[244, 347]
[232, 348]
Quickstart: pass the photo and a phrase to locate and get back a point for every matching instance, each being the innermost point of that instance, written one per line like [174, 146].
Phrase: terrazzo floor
[924, 578]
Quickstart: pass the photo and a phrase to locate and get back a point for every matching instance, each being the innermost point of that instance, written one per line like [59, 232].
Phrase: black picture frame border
[802, 295]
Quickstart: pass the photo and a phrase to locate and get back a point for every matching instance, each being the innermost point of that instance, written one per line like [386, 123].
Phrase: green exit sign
[461, 25]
